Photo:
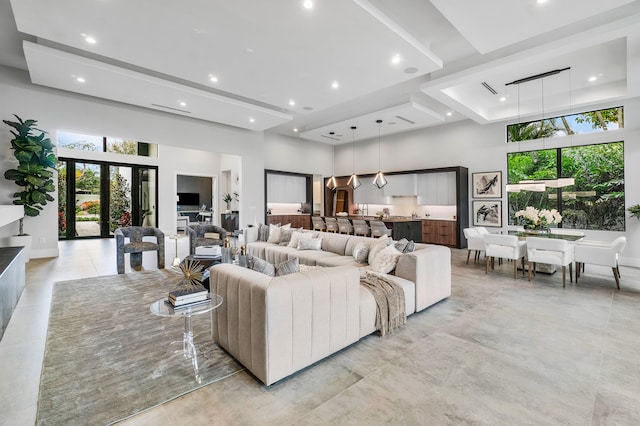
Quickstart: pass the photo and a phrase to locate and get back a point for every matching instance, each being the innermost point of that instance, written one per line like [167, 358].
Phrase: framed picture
[487, 213]
[487, 185]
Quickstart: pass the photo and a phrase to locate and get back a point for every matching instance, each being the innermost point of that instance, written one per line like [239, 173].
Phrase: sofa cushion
[313, 257]
[336, 260]
[355, 240]
[289, 267]
[361, 252]
[334, 243]
[274, 232]
[298, 235]
[310, 244]
[385, 261]
[277, 254]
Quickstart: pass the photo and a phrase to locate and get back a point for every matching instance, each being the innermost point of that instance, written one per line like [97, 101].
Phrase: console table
[12, 281]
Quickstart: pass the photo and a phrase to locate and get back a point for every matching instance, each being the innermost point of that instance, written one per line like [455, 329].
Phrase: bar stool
[344, 226]
[360, 227]
[332, 224]
[378, 228]
[318, 223]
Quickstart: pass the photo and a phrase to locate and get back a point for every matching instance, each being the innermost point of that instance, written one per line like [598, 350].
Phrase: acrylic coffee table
[188, 351]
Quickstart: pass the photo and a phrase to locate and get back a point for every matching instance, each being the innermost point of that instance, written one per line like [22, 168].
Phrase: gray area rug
[107, 356]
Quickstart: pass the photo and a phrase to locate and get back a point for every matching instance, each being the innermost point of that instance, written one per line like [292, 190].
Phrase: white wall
[61, 110]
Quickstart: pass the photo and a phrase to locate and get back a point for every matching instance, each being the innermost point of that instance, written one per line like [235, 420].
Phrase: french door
[95, 198]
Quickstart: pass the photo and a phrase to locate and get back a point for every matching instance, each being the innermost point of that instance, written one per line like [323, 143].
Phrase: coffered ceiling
[309, 71]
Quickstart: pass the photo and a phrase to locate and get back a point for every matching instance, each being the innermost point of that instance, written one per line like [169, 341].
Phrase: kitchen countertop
[289, 214]
[395, 218]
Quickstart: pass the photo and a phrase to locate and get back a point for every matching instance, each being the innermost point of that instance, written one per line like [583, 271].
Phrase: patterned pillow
[297, 236]
[374, 249]
[361, 252]
[310, 244]
[274, 232]
[411, 246]
[285, 235]
[385, 261]
[263, 232]
[263, 266]
[289, 267]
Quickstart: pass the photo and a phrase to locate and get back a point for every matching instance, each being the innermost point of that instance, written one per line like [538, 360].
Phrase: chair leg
[564, 275]
[522, 266]
[486, 265]
[615, 275]
[515, 269]
[468, 255]
[529, 264]
[571, 272]
[120, 262]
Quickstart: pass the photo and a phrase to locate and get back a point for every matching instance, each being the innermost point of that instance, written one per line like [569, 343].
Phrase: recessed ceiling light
[292, 102]
[213, 78]
[502, 99]
[542, 1]
[593, 78]
[89, 39]
[396, 59]
[252, 120]
[295, 129]
[449, 114]
[182, 103]
[80, 79]
[334, 84]
[307, 4]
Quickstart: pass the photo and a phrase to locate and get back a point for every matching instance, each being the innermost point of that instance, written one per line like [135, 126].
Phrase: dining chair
[378, 228]
[504, 247]
[318, 223]
[600, 253]
[475, 242]
[332, 224]
[360, 227]
[344, 226]
[551, 251]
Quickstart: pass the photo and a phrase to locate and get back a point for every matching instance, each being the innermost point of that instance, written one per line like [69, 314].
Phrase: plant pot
[24, 241]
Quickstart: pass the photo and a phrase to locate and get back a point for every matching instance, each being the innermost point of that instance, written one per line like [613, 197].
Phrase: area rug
[107, 356]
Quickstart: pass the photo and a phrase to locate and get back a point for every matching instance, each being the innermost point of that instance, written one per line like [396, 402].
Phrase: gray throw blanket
[390, 307]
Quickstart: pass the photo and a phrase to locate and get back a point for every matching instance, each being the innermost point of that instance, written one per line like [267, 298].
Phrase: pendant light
[331, 183]
[379, 181]
[354, 181]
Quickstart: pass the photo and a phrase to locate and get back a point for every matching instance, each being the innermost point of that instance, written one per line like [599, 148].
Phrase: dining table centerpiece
[538, 221]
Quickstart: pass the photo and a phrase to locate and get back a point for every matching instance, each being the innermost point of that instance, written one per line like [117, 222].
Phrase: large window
[83, 142]
[595, 201]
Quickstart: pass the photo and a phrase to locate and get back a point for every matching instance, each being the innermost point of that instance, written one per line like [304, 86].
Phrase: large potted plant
[34, 174]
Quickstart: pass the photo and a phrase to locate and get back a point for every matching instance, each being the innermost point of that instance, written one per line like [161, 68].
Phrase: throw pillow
[411, 246]
[386, 260]
[285, 235]
[401, 245]
[274, 232]
[361, 252]
[212, 235]
[374, 249]
[310, 244]
[296, 236]
[289, 267]
[263, 232]
[263, 266]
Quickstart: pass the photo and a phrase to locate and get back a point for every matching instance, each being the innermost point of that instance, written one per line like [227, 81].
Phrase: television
[188, 199]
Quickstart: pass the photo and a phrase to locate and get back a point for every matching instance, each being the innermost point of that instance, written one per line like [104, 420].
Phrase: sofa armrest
[277, 326]
[430, 269]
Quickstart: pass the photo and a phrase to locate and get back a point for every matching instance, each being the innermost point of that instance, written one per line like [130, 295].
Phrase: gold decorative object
[192, 270]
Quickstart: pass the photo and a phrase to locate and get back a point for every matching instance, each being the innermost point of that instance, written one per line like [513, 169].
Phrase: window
[82, 142]
[584, 122]
[595, 201]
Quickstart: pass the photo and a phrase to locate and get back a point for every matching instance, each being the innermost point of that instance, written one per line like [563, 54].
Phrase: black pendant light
[354, 181]
[331, 183]
[379, 181]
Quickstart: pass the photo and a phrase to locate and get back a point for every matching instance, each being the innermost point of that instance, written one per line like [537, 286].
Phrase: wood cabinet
[443, 232]
[296, 220]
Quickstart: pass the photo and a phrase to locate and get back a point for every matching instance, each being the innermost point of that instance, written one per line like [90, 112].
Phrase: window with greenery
[584, 122]
[105, 144]
[596, 201]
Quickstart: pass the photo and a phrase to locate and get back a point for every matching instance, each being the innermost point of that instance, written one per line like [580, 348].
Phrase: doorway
[196, 198]
[95, 198]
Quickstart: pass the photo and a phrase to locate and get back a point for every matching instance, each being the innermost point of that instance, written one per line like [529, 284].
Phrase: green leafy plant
[635, 211]
[36, 164]
[228, 198]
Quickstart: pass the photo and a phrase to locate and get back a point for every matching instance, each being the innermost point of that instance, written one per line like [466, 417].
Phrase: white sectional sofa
[276, 326]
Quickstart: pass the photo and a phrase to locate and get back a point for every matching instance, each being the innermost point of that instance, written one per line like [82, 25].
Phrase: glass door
[120, 213]
[88, 200]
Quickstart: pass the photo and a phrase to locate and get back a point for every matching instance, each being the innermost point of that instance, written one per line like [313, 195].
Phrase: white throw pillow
[274, 232]
[375, 247]
[297, 236]
[385, 261]
[310, 244]
[361, 252]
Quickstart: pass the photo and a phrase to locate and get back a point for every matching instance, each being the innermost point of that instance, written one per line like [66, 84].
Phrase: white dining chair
[600, 253]
[552, 251]
[504, 247]
[475, 242]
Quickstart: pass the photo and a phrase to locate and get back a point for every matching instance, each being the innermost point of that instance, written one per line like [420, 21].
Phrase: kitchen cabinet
[296, 220]
[286, 189]
[442, 232]
[437, 189]
[369, 194]
[401, 185]
[411, 230]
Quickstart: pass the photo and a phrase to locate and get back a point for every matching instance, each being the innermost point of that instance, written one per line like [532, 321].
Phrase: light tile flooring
[499, 351]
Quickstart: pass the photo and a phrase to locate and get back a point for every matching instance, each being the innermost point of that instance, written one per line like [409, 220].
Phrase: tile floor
[499, 351]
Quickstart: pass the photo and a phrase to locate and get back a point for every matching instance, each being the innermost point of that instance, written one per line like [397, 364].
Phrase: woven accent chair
[137, 245]
[378, 228]
[318, 223]
[344, 226]
[360, 227]
[332, 224]
[197, 236]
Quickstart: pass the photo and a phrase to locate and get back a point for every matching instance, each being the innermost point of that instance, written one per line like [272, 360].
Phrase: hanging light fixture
[354, 181]
[379, 181]
[331, 183]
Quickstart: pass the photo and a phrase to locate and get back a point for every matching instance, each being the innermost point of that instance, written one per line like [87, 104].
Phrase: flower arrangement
[533, 218]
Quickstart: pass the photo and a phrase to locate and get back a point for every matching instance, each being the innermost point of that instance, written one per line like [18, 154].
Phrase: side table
[161, 309]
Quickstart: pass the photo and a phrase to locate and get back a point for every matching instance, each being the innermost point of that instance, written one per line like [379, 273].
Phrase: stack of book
[188, 297]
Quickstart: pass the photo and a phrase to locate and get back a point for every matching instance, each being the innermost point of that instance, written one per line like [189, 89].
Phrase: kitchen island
[401, 226]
